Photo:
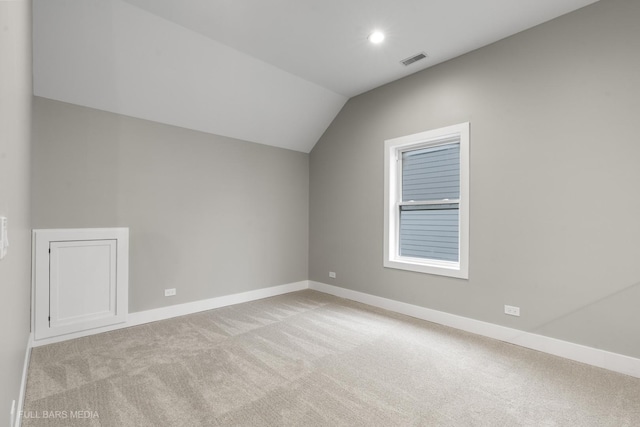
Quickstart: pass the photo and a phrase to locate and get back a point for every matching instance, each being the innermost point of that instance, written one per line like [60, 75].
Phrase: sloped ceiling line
[274, 73]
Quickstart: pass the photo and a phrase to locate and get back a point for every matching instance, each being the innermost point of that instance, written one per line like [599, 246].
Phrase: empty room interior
[320, 213]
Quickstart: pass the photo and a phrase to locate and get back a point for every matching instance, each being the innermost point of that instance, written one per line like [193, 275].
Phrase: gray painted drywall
[555, 155]
[15, 123]
[208, 215]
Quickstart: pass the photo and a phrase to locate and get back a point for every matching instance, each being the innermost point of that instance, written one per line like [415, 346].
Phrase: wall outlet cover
[511, 310]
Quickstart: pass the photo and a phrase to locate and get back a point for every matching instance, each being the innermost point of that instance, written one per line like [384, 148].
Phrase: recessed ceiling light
[376, 37]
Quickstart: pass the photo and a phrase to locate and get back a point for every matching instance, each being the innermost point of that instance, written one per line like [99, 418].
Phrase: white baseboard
[163, 313]
[17, 415]
[147, 316]
[580, 353]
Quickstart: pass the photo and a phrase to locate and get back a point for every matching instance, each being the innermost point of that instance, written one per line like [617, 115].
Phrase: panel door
[82, 285]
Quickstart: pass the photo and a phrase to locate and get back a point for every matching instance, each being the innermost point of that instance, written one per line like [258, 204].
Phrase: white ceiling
[272, 72]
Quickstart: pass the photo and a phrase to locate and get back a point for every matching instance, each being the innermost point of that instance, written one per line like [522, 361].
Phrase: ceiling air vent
[414, 58]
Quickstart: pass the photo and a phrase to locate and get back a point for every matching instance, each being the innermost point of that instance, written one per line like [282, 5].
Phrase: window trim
[393, 149]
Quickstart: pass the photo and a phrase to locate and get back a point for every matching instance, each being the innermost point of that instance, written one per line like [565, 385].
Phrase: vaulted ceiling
[272, 72]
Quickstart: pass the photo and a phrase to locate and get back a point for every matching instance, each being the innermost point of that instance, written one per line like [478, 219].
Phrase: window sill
[443, 268]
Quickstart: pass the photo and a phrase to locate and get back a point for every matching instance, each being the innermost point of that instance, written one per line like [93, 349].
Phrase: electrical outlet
[169, 292]
[332, 274]
[511, 310]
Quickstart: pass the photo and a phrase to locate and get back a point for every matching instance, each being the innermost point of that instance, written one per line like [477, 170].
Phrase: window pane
[431, 173]
[429, 232]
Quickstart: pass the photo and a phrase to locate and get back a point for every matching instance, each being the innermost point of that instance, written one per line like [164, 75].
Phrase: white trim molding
[577, 352]
[580, 353]
[45, 322]
[154, 315]
[393, 200]
[148, 316]
[16, 420]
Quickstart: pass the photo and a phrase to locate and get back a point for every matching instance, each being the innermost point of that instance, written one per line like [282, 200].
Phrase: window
[427, 202]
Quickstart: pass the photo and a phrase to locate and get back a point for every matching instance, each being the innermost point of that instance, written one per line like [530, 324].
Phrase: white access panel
[80, 280]
[82, 283]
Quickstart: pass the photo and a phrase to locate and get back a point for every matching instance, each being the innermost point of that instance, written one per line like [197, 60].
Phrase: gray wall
[555, 175]
[15, 122]
[208, 215]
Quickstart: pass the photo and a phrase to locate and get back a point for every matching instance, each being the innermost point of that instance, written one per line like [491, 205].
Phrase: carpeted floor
[309, 359]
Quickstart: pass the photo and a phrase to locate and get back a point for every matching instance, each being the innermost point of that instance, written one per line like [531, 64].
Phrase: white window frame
[393, 149]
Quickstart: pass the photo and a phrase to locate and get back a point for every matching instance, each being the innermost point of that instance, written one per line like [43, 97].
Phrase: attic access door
[82, 283]
[80, 280]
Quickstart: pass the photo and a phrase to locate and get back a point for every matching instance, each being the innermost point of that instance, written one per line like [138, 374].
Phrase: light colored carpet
[309, 359]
